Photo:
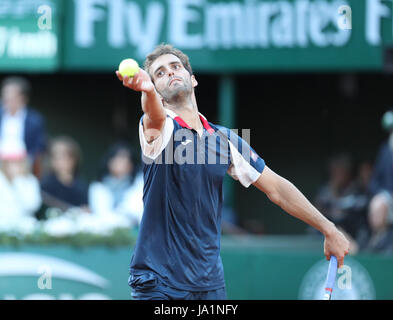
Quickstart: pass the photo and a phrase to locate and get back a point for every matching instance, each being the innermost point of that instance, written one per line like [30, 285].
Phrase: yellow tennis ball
[128, 67]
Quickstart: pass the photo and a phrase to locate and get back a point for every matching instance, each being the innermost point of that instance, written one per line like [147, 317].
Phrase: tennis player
[177, 253]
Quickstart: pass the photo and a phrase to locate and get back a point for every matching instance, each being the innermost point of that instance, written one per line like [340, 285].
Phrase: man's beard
[177, 93]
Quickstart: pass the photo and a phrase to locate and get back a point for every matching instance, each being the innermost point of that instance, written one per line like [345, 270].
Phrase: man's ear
[194, 81]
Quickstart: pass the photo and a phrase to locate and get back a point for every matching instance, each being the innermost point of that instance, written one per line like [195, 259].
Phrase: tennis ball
[128, 67]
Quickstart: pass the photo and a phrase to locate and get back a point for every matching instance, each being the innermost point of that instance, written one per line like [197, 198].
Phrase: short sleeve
[246, 165]
[153, 150]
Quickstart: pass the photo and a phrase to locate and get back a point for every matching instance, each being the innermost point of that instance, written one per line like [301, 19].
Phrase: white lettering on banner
[273, 24]
[251, 29]
[87, 13]
[145, 36]
[339, 39]
[265, 13]
[225, 25]
[283, 26]
[116, 25]
[323, 16]
[20, 45]
[320, 18]
[375, 11]
[126, 25]
[200, 24]
[301, 23]
[181, 14]
[21, 9]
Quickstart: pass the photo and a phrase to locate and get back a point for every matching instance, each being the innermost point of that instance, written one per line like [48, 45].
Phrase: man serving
[177, 254]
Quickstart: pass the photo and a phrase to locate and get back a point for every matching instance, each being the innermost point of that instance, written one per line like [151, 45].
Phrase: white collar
[173, 114]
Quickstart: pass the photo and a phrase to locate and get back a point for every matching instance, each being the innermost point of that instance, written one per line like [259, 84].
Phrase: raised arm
[155, 115]
[290, 199]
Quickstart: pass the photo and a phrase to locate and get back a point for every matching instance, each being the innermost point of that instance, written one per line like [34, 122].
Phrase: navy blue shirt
[179, 236]
[74, 194]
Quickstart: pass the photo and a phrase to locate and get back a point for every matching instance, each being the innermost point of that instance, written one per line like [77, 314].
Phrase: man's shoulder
[222, 129]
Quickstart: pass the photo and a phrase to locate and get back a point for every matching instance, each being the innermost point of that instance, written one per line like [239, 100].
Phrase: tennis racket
[331, 278]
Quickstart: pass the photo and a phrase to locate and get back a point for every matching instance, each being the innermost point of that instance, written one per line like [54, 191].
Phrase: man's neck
[189, 113]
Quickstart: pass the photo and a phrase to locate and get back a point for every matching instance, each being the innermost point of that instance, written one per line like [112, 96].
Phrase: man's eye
[160, 74]
[177, 66]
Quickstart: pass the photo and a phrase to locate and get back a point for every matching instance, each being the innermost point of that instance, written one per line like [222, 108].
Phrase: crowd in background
[37, 173]
[359, 200]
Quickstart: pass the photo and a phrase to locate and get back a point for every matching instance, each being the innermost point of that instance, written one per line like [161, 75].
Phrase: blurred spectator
[355, 204]
[63, 188]
[380, 214]
[381, 224]
[365, 172]
[344, 200]
[19, 189]
[382, 177]
[119, 189]
[19, 122]
[340, 184]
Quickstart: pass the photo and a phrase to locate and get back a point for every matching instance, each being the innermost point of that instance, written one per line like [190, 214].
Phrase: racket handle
[331, 278]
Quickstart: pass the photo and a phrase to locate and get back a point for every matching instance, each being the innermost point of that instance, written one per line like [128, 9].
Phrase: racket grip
[331, 277]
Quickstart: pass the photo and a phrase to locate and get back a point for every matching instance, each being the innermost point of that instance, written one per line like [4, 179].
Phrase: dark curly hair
[162, 49]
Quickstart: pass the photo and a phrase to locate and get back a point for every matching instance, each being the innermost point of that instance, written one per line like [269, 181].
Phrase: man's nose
[171, 73]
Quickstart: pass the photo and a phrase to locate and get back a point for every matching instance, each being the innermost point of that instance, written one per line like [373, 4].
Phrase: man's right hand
[155, 114]
[139, 82]
[336, 244]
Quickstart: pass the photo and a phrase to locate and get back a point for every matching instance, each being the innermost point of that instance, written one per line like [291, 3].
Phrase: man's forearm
[151, 101]
[295, 203]
[153, 108]
[289, 198]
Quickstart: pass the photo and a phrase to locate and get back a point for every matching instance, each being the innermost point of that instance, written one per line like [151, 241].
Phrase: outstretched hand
[336, 245]
[139, 82]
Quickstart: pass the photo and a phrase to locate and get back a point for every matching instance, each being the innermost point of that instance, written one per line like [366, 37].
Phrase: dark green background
[255, 268]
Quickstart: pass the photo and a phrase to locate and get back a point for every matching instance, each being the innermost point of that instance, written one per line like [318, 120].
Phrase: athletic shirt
[179, 235]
